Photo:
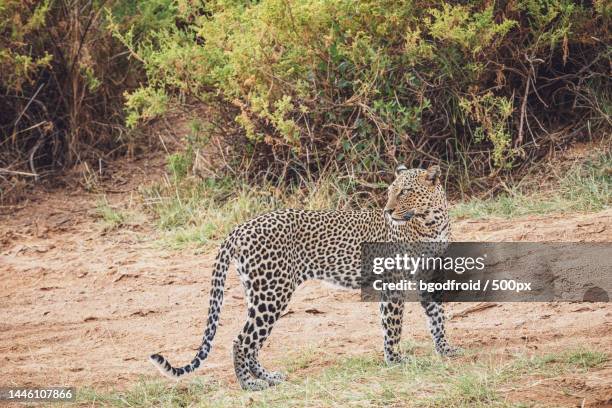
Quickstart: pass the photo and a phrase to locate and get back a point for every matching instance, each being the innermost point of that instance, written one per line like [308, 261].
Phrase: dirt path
[79, 306]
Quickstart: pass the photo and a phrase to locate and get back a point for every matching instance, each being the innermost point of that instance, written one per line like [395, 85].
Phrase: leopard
[274, 253]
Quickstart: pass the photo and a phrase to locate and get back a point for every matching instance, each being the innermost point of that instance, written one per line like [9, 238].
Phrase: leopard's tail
[222, 262]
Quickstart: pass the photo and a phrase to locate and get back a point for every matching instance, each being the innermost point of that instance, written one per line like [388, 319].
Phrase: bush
[62, 78]
[297, 90]
[354, 87]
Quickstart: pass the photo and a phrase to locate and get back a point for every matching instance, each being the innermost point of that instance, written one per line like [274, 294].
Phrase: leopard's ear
[433, 174]
[400, 169]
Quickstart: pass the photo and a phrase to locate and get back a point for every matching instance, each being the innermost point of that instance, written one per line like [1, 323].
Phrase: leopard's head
[416, 194]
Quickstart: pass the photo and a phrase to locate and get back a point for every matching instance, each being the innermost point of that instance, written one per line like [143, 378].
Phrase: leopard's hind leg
[267, 299]
[271, 377]
[266, 314]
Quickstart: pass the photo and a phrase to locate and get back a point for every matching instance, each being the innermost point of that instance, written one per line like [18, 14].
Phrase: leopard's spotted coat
[276, 252]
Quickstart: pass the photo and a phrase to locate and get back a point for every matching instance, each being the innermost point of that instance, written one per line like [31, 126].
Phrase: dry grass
[192, 211]
[424, 381]
[586, 186]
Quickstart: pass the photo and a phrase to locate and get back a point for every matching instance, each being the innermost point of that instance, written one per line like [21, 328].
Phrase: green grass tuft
[424, 380]
[111, 217]
[116, 216]
[151, 393]
[587, 187]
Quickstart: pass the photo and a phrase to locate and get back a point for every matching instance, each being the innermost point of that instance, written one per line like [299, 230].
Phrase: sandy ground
[81, 306]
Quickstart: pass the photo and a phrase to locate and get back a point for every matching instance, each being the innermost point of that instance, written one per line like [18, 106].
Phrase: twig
[20, 173]
[519, 139]
[34, 149]
[31, 127]
[27, 105]
[473, 309]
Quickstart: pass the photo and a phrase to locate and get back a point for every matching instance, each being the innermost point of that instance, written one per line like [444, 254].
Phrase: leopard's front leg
[392, 314]
[435, 320]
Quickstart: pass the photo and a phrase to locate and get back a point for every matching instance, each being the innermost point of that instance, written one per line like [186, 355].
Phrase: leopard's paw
[450, 351]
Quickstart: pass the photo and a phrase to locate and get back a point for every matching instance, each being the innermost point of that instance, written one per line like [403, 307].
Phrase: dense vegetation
[58, 77]
[297, 90]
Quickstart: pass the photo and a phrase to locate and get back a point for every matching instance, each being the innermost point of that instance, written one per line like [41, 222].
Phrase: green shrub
[62, 79]
[295, 89]
[356, 86]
